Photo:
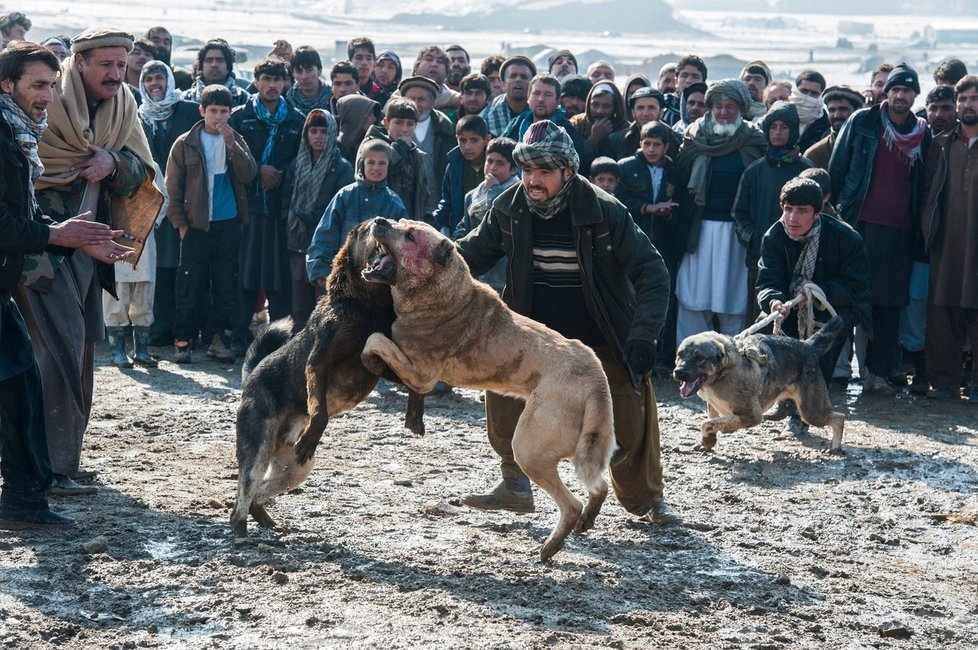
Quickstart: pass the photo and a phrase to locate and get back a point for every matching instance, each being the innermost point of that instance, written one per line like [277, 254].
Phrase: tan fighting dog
[454, 328]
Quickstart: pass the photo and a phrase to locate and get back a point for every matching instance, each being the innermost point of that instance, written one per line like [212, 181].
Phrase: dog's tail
[822, 340]
[597, 441]
[268, 340]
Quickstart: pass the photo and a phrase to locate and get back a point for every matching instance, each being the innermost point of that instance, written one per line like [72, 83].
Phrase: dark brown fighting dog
[293, 384]
[452, 327]
[741, 378]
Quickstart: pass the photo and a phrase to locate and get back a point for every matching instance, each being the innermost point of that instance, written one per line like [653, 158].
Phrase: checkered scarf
[548, 146]
[26, 132]
[805, 266]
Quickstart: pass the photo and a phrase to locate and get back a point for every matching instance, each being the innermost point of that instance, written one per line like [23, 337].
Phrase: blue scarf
[271, 120]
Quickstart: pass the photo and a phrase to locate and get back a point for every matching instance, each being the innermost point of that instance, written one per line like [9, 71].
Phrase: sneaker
[220, 349]
[12, 518]
[944, 393]
[511, 494]
[662, 515]
[65, 487]
[877, 385]
[919, 386]
[973, 394]
[182, 352]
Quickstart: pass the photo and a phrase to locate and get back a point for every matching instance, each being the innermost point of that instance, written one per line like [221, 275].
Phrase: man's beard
[969, 117]
[455, 77]
[727, 130]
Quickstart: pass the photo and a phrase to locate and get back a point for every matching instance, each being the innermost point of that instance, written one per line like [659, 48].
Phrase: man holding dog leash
[578, 264]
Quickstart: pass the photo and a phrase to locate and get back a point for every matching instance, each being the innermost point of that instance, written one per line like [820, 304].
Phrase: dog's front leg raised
[380, 350]
[316, 406]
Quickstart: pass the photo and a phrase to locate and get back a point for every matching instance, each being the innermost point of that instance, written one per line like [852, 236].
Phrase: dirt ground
[784, 545]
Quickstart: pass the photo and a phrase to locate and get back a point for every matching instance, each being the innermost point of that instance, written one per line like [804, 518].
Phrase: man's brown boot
[511, 494]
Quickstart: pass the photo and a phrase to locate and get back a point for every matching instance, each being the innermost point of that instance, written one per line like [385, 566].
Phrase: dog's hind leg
[539, 463]
[284, 473]
[815, 408]
[414, 417]
[253, 441]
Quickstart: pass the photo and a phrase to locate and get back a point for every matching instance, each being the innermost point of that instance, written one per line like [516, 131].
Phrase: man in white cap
[95, 157]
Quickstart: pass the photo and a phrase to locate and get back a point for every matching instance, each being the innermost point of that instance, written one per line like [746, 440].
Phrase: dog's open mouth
[380, 267]
[687, 387]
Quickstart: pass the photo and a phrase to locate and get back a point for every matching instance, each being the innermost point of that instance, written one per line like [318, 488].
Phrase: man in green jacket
[580, 265]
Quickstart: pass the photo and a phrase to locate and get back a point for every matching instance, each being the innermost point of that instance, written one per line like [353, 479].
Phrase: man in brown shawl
[96, 158]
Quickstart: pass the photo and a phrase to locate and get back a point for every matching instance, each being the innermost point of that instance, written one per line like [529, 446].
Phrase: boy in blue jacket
[365, 198]
[463, 172]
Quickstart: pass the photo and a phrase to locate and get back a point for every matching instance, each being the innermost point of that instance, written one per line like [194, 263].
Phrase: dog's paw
[834, 451]
[709, 439]
[304, 450]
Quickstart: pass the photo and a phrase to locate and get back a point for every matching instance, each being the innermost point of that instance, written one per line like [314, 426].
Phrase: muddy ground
[784, 545]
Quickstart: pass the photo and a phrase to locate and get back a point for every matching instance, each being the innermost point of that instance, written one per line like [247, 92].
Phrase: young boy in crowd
[206, 176]
[500, 175]
[605, 173]
[463, 171]
[650, 190]
[406, 174]
[366, 198]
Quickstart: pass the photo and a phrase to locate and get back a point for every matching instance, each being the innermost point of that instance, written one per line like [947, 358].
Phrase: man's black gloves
[640, 355]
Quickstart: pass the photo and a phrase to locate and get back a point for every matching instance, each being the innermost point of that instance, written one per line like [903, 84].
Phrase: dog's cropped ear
[443, 252]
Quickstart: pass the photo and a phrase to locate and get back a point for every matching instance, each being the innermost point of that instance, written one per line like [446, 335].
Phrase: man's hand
[663, 210]
[228, 134]
[780, 307]
[80, 231]
[600, 130]
[639, 355]
[109, 252]
[270, 177]
[101, 165]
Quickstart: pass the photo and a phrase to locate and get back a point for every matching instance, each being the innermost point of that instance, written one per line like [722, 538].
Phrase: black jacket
[626, 284]
[635, 191]
[287, 139]
[817, 130]
[758, 202]
[851, 165]
[23, 229]
[841, 269]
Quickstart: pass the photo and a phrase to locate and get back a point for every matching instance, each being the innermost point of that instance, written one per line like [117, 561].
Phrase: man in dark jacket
[877, 176]
[28, 73]
[757, 204]
[273, 130]
[950, 223]
[840, 103]
[165, 117]
[805, 246]
[807, 98]
[610, 291]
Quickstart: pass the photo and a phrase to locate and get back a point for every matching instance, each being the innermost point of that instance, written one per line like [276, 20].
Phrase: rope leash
[805, 300]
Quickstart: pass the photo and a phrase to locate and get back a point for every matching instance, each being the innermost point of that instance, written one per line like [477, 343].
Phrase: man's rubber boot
[142, 356]
[512, 494]
[117, 347]
[662, 515]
